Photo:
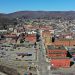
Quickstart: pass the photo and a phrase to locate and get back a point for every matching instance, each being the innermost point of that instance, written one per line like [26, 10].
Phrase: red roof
[31, 38]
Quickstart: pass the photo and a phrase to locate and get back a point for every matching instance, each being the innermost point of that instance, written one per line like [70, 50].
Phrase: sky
[9, 6]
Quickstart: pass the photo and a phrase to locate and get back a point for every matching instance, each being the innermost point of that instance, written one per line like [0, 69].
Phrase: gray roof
[52, 47]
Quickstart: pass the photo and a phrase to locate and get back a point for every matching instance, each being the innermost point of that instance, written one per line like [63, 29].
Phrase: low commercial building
[46, 33]
[56, 51]
[58, 56]
[60, 62]
[64, 42]
[31, 38]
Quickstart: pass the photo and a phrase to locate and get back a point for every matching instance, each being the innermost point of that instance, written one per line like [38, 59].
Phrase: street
[43, 65]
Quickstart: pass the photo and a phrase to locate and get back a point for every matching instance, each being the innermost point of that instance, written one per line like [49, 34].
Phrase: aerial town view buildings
[37, 37]
[36, 50]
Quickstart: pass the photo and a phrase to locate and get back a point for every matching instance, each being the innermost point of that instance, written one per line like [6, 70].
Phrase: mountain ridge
[37, 14]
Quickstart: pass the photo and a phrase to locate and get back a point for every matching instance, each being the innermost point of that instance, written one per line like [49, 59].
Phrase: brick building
[60, 62]
[47, 37]
[65, 42]
[31, 38]
[46, 33]
[56, 51]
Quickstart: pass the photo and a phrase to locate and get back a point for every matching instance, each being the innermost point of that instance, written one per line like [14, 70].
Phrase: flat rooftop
[52, 47]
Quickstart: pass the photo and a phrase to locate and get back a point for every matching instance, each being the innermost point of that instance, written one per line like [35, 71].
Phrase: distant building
[3, 31]
[11, 29]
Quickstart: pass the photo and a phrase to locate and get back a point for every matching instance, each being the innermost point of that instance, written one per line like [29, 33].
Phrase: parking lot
[20, 58]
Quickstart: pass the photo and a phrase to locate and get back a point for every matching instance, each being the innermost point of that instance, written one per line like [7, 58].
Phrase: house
[56, 51]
